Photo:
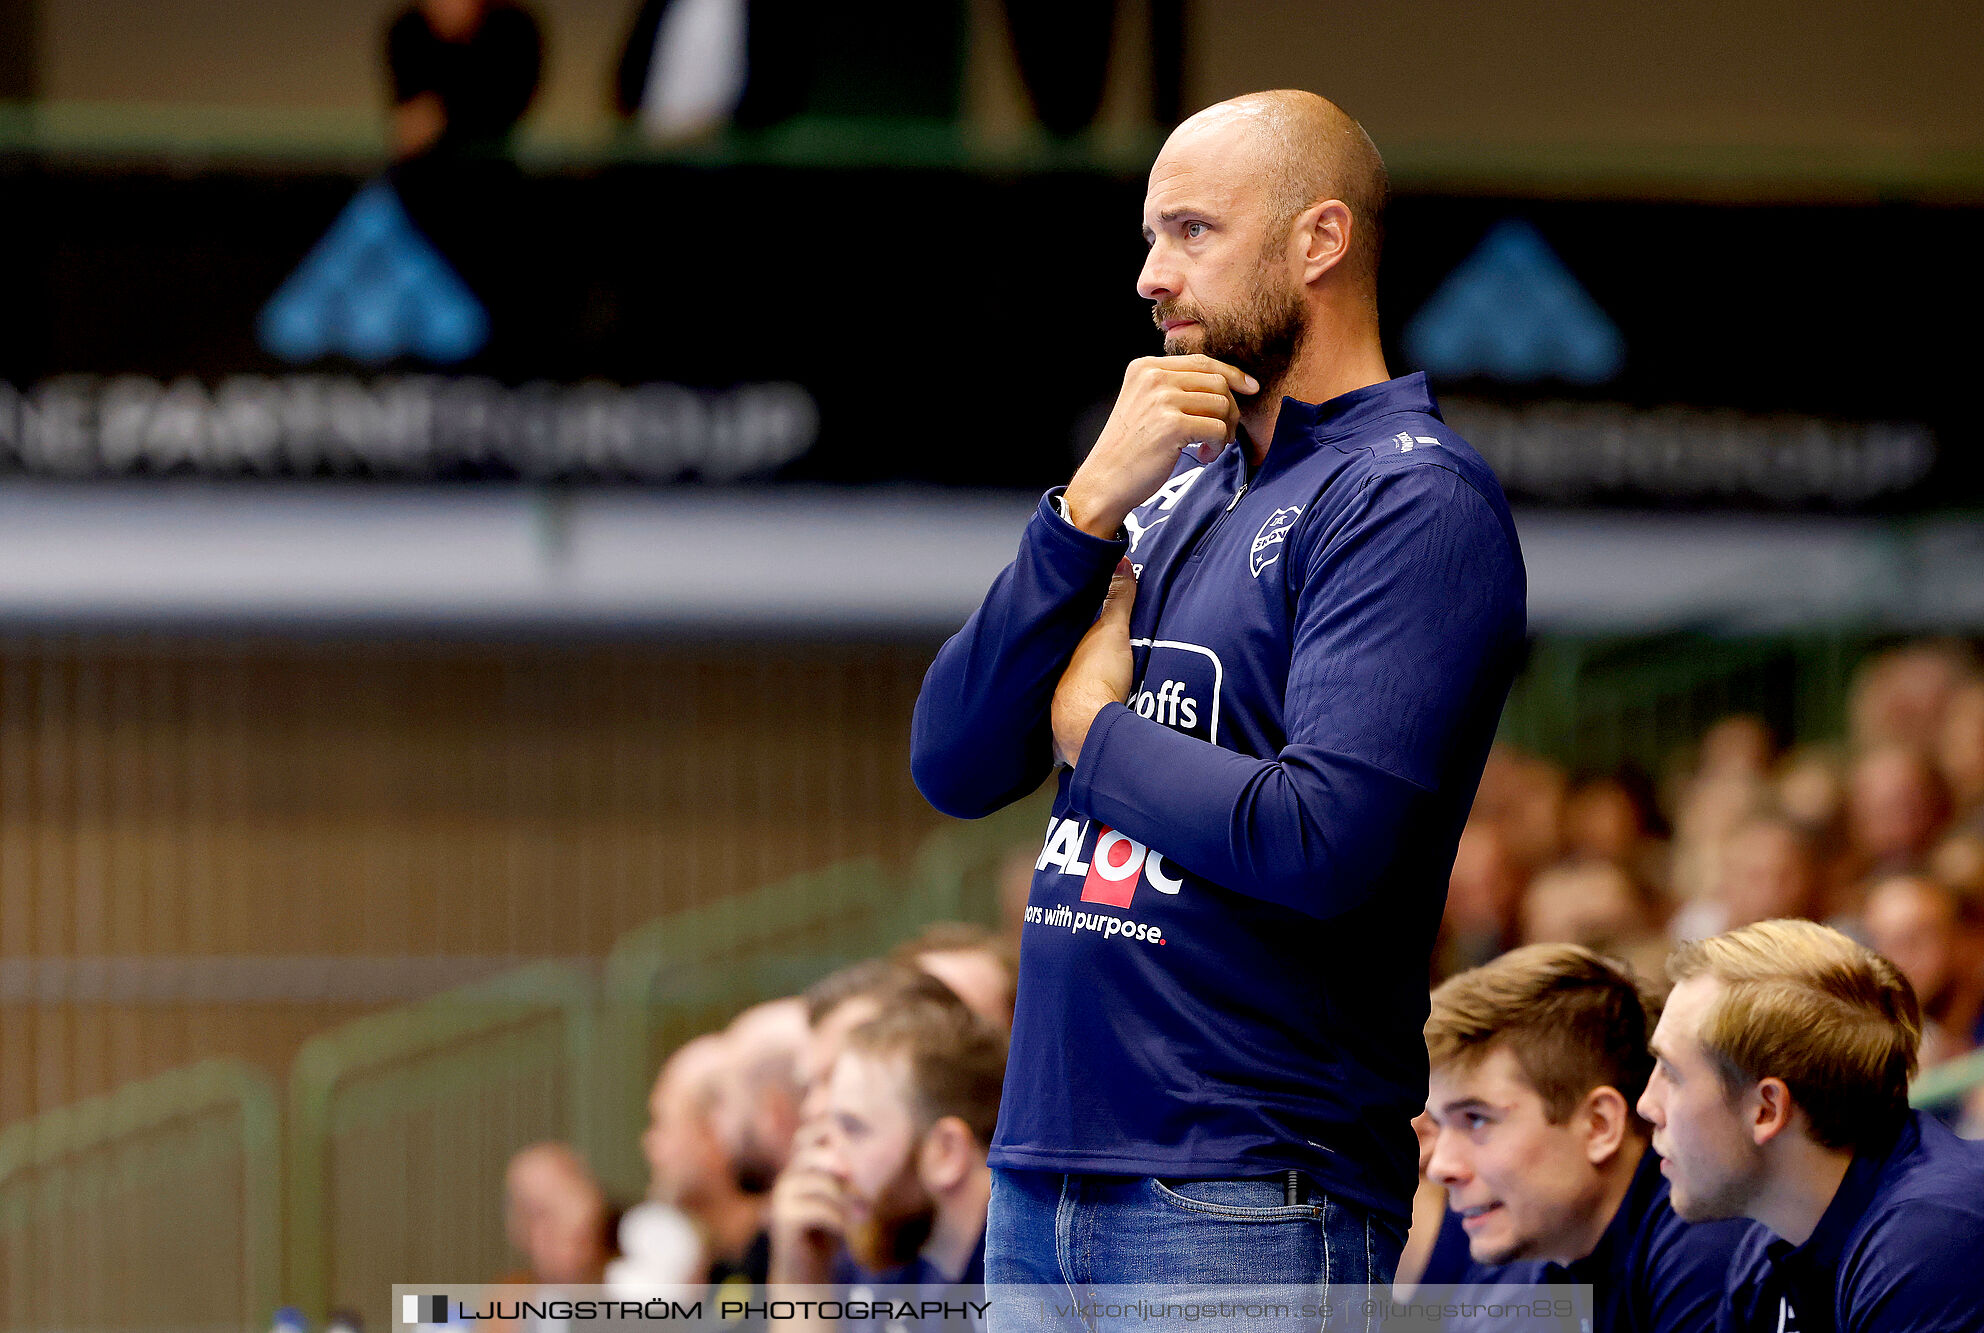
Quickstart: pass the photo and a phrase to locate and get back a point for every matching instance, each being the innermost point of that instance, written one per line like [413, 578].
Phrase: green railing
[157, 1206]
[1594, 703]
[401, 1125]
[961, 863]
[358, 139]
[1947, 1085]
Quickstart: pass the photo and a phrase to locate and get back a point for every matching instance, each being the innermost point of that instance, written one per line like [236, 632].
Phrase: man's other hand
[1167, 404]
[1099, 672]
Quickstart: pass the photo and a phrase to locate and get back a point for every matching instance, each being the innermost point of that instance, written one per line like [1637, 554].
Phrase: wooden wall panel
[256, 824]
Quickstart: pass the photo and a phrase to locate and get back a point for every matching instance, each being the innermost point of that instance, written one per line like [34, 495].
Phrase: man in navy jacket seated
[1780, 1093]
[1537, 1060]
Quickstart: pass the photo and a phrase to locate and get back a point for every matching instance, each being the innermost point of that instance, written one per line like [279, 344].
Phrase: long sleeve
[980, 737]
[1407, 626]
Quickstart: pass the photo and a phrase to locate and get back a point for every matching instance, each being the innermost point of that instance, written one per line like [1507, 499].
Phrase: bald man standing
[1266, 632]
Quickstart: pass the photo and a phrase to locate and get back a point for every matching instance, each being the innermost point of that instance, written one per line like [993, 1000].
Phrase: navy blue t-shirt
[1649, 1273]
[1900, 1249]
[1223, 970]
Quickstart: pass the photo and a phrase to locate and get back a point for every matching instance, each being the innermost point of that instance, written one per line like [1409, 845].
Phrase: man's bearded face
[894, 1225]
[1260, 334]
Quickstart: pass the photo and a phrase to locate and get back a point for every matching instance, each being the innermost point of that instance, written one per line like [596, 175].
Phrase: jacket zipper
[1207, 536]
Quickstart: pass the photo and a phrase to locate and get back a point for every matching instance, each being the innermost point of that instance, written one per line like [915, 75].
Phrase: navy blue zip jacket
[1224, 966]
[1900, 1249]
[1649, 1273]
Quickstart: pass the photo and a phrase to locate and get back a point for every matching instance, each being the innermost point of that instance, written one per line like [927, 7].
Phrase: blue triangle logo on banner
[372, 289]
[1512, 311]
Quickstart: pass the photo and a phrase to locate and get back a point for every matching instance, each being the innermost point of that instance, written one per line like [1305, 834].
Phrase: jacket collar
[1302, 426]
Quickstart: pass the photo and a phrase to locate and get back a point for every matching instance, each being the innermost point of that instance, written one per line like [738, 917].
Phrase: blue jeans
[1078, 1232]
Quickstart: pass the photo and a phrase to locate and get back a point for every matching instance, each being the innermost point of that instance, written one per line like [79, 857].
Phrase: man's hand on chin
[1099, 672]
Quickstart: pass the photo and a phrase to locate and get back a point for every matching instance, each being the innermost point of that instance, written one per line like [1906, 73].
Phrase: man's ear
[1325, 229]
[1606, 1120]
[1769, 1109]
[947, 1155]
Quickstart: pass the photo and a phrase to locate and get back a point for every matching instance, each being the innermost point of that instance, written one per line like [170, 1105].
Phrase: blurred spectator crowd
[840, 1136]
[1881, 836]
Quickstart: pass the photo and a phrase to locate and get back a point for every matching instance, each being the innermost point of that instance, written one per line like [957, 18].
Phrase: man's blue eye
[1194, 234]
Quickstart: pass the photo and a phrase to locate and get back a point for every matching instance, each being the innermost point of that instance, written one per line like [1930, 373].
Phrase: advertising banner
[663, 325]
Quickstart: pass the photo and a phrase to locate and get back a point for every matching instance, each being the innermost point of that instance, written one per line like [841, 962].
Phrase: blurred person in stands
[1523, 796]
[1726, 783]
[973, 961]
[1767, 869]
[1537, 1061]
[1935, 936]
[690, 67]
[1611, 818]
[913, 1099]
[1709, 808]
[1970, 1114]
[1616, 818]
[1484, 893]
[691, 1166]
[1780, 1093]
[556, 1217]
[1958, 861]
[759, 1103]
[463, 74]
[1596, 905]
[1896, 807]
[1898, 697]
[1740, 744]
[1960, 754]
[1810, 788]
[836, 1005]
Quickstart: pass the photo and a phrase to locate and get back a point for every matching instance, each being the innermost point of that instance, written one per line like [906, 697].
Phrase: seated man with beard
[913, 1099]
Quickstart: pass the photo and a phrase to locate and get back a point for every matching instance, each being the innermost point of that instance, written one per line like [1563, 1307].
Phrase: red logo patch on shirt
[1113, 869]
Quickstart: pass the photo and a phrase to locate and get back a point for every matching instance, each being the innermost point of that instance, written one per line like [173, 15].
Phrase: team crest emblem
[1267, 542]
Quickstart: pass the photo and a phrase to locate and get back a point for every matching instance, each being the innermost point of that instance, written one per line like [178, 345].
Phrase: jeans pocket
[1238, 1200]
